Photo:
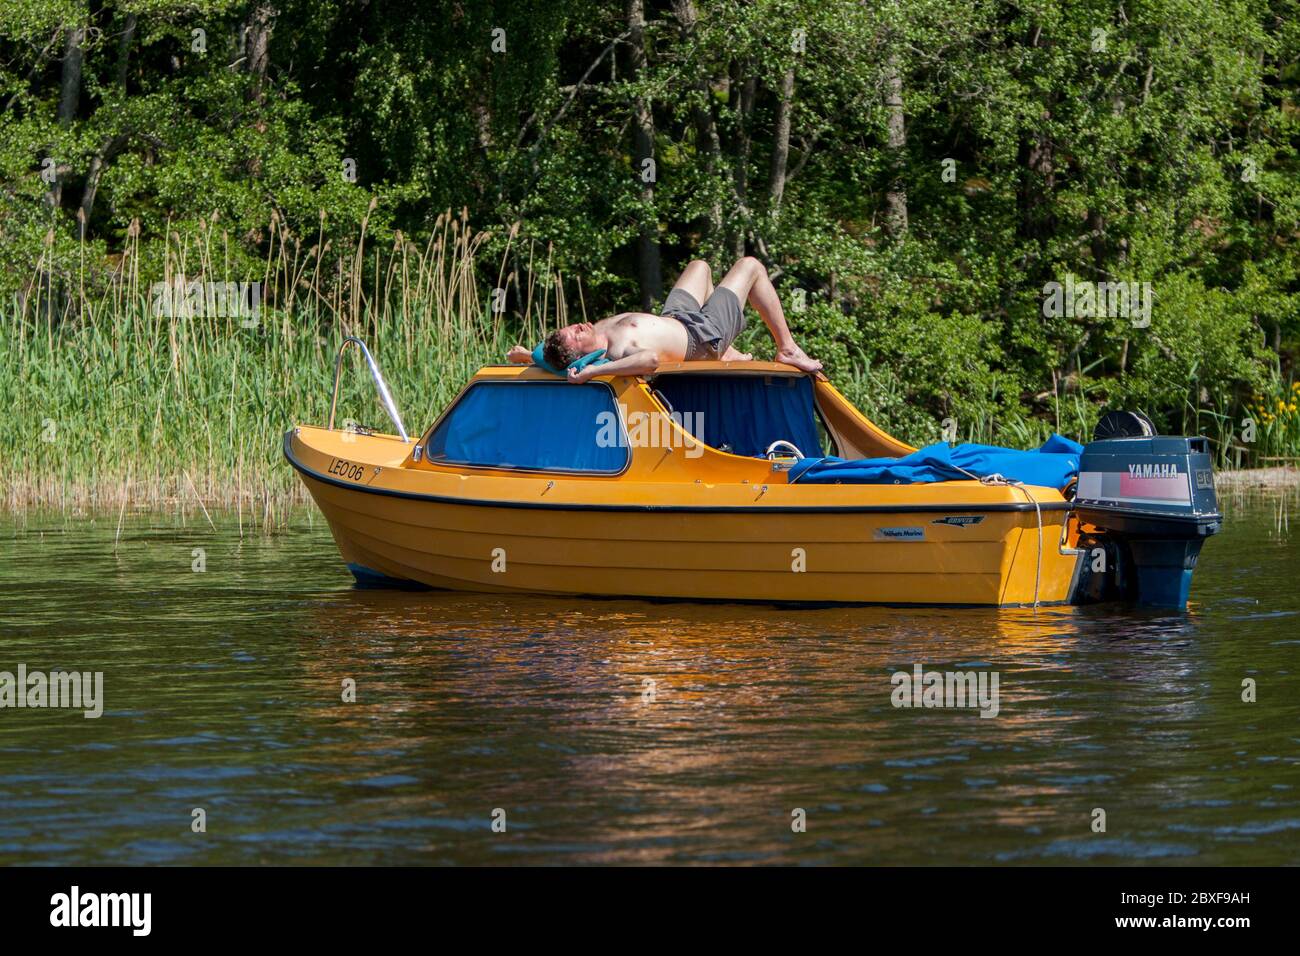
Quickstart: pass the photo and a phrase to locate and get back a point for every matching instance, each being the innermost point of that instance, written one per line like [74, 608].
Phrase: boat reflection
[731, 673]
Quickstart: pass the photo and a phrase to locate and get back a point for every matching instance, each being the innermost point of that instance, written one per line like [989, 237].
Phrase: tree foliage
[914, 172]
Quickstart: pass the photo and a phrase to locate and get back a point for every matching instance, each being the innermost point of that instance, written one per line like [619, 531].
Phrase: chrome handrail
[384, 396]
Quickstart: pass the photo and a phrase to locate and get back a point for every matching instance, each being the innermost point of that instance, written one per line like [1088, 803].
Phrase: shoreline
[269, 501]
[1285, 476]
[261, 501]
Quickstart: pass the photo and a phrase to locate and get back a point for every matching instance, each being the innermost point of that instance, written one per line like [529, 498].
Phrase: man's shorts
[711, 328]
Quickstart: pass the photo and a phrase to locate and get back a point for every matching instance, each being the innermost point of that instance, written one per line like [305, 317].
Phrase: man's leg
[748, 280]
[697, 279]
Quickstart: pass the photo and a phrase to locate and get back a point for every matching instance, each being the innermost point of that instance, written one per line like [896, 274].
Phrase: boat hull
[948, 553]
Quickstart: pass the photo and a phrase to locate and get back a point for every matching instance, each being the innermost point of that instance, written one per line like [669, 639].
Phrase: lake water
[223, 691]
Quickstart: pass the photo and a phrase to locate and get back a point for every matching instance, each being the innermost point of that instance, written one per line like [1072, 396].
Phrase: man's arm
[520, 355]
[638, 363]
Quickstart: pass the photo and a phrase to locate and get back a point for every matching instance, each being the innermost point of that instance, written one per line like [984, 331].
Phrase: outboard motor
[1151, 500]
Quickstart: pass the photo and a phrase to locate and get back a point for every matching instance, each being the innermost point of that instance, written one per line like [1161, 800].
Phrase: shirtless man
[636, 342]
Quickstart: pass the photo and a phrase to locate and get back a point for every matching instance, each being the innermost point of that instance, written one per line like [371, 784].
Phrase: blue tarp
[744, 413]
[1051, 466]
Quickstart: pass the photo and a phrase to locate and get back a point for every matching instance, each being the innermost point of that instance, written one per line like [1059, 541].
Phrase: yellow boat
[677, 485]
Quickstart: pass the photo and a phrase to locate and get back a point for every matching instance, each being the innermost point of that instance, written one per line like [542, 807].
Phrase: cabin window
[532, 426]
[744, 414]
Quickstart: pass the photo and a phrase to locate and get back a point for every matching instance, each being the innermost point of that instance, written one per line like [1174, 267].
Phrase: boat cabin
[713, 414]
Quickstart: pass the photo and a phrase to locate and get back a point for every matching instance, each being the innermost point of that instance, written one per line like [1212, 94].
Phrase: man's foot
[799, 359]
[731, 355]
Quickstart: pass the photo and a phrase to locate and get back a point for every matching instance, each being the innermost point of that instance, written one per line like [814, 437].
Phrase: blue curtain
[541, 426]
[745, 413]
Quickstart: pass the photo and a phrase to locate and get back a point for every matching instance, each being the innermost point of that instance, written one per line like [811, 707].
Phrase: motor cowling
[1153, 497]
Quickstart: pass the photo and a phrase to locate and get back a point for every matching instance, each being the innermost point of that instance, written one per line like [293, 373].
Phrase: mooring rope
[998, 479]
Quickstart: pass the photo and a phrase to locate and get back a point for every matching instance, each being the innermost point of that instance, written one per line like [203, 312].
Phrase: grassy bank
[116, 404]
[1263, 479]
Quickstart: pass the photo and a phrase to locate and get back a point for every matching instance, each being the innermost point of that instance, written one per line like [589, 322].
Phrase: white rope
[998, 479]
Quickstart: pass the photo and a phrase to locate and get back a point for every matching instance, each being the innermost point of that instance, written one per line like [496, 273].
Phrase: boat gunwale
[926, 508]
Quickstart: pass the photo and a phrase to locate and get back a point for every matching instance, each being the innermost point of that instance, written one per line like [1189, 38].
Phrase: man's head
[565, 346]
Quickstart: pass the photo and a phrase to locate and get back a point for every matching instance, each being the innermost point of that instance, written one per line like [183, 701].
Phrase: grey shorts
[711, 328]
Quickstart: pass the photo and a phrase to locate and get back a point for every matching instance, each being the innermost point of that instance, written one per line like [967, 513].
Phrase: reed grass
[109, 405]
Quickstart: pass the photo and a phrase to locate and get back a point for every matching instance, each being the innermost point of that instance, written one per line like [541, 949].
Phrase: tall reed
[110, 402]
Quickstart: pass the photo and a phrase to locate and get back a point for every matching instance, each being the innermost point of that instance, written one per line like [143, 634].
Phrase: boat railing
[384, 396]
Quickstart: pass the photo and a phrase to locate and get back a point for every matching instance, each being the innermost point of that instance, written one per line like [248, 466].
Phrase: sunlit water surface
[223, 691]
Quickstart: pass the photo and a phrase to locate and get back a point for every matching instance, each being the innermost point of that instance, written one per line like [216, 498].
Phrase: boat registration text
[346, 469]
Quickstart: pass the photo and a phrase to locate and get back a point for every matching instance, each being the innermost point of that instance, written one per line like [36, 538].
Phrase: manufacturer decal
[1159, 483]
[1158, 470]
[1204, 478]
[959, 521]
[900, 534]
